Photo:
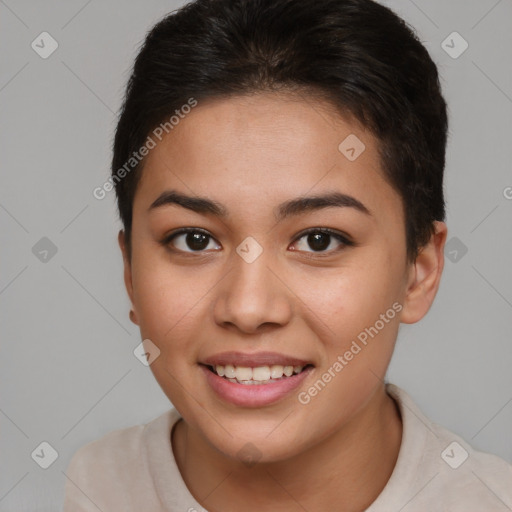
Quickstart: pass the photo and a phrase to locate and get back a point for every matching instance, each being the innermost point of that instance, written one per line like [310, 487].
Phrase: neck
[350, 467]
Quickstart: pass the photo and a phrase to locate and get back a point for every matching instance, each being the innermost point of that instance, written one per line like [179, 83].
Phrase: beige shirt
[134, 470]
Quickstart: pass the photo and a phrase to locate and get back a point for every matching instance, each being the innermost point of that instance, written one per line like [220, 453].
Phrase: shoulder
[443, 468]
[101, 471]
[113, 450]
[468, 475]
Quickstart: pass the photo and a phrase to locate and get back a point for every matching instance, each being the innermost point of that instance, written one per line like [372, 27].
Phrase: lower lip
[254, 395]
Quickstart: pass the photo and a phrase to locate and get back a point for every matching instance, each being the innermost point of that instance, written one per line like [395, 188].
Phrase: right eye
[191, 240]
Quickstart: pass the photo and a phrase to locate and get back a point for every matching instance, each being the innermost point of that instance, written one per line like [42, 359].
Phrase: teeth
[258, 375]
[243, 373]
[276, 371]
[229, 371]
[261, 373]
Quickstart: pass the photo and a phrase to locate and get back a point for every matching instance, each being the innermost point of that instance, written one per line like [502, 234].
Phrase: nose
[252, 297]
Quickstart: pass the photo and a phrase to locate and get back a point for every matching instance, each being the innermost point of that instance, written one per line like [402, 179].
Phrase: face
[270, 275]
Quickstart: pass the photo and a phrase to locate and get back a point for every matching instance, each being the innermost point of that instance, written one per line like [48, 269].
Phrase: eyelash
[343, 239]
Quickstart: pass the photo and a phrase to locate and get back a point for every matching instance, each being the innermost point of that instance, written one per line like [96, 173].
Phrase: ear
[425, 276]
[127, 275]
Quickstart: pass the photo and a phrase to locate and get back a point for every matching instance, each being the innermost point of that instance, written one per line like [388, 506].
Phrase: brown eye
[190, 240]
[321, 240]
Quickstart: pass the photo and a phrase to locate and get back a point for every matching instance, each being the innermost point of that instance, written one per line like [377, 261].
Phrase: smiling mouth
[256, 375]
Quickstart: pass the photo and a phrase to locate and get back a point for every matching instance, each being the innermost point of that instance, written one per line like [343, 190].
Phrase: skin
[251, 153]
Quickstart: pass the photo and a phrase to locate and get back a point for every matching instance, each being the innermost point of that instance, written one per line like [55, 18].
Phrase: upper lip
[253, 360]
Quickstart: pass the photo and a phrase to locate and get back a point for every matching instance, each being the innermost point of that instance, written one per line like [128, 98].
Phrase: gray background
[68, 373]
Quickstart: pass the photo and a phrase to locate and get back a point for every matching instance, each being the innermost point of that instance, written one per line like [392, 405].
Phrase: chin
[252, 443]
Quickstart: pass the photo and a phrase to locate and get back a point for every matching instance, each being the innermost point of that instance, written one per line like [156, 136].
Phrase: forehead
[264, 148]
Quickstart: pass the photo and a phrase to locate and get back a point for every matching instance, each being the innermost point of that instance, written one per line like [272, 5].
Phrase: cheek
[349, 299]
[168, 300]
[357, 307]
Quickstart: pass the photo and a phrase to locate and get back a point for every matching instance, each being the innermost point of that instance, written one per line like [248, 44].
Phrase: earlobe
[127, 275]
[425, 276]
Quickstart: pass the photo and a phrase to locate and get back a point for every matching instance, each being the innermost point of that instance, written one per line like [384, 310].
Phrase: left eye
[320, 240]
[192, 240]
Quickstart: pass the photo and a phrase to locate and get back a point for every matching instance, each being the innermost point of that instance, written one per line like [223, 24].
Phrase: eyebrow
[292, 207]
